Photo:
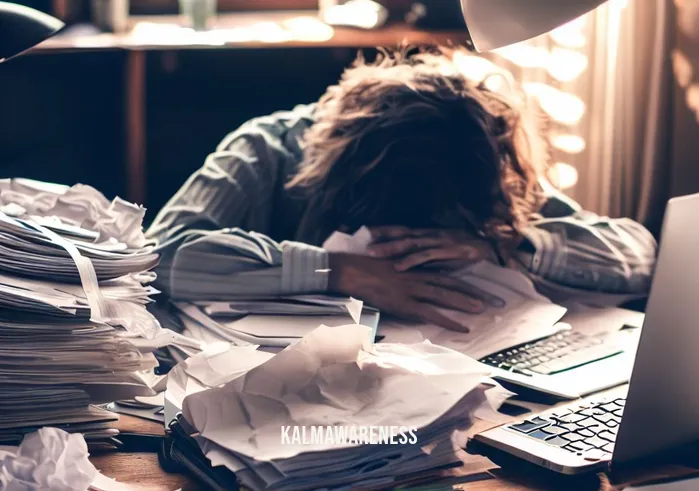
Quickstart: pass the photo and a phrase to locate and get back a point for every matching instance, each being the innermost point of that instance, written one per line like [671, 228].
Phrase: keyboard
[588, 429]
[562, 351]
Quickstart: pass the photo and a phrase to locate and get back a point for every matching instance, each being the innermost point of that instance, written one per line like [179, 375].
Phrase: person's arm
[206, 252]
[575, 251]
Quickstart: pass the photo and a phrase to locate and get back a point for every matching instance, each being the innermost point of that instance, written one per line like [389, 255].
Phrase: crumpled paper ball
[49, 459]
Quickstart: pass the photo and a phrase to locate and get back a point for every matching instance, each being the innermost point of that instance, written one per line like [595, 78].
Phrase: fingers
[397, 232]
[445, 297]
[446, 253]
[401, 247]
[452, 283]
[426, 313]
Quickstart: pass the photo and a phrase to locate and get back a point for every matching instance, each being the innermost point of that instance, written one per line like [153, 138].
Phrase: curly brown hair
[409, 140]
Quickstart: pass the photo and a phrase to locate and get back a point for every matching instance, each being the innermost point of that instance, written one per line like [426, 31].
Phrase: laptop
[570, 364]
[659, 409]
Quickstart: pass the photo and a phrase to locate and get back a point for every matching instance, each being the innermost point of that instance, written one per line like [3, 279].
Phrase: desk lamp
[493, 24]
[22, 28]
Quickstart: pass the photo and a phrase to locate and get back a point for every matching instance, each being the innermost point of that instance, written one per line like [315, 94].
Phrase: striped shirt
[231, 230]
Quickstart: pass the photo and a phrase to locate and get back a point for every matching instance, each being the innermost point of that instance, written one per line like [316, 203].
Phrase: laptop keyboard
[588, 429]
[563, 351]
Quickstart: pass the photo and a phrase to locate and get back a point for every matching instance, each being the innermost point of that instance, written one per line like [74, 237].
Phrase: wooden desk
[480, 475]
[271, 29]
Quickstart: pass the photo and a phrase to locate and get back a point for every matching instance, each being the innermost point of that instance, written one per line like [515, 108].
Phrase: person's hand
[415, 296]
[445, 249]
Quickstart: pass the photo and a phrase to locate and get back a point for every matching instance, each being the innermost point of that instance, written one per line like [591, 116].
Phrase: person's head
[409, 141]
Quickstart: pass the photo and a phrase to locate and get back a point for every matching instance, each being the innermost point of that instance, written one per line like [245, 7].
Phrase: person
[441, 170]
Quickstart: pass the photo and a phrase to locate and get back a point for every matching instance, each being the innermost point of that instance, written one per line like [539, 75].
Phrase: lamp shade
[22, 28]
[494, 24]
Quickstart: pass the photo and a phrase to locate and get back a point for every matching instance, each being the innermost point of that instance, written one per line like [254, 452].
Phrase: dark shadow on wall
[62, 115]
[61, 119]
[196, 98]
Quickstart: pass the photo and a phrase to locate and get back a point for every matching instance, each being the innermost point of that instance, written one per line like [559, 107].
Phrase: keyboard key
[557, 441]
[586, 432]
[607, 435]
[609, 447]
[540, 434]
[530, 425]
[580, 446]
[607, 419]
[555, 429]
[609, 407]
[572, 418]
[568, 427]
[596, 442]
[572, 437]
[588, 412]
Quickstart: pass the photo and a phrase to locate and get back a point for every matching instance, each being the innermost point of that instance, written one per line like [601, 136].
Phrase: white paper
[74, 279]
[597, 321]
[81, 207]
[523, 314]
[215, 366]
[351, 244]
[104, 483]
[214, 321]
[48, 459]
[354, 383]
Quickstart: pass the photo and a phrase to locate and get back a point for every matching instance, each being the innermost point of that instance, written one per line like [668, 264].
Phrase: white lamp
[22, 28]
[494, 24]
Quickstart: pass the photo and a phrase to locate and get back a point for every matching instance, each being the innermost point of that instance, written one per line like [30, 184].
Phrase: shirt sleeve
[205, 252]
[578, 250]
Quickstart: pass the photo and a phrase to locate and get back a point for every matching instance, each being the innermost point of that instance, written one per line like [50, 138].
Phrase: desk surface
[245, 30]
[143, 469]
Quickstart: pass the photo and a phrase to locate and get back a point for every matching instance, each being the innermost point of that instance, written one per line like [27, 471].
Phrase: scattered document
[336, 378]
[515, 312]
[270, 323]
[217, 365]
[605, 320]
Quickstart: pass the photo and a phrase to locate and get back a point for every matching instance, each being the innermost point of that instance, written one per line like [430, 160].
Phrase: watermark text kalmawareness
[348, 435]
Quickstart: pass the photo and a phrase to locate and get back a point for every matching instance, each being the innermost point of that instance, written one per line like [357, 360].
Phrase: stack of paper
[74, 276]
[334, 410]
[514, 312]
[272, 323]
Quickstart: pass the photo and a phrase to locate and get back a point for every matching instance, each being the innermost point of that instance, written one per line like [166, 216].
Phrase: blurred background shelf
[135, 113]
[271, 29]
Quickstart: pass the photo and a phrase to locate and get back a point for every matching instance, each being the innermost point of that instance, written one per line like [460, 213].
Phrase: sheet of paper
[215, 366]
[287, 326]
[334, 376]
[296, 305]
[605, 320]
[516, 313]
[104, 483]
[351, 244]
[276, 331]
[355, 383]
